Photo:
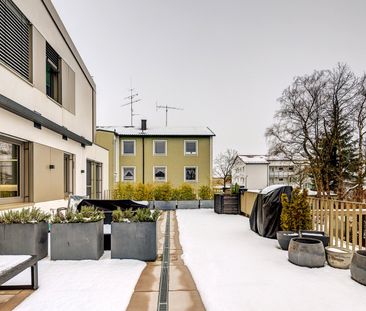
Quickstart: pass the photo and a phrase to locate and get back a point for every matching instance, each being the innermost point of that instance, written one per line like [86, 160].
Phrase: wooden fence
[344, 221]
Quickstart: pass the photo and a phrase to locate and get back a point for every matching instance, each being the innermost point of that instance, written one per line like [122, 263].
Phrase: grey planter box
[165, 205]
[24, 239]
[188, 204]
[135, 240]
[206, 203]
[77, 241]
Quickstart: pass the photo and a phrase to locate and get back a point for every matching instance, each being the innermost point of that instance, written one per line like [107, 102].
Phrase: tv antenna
[166, 108]
[132, 100]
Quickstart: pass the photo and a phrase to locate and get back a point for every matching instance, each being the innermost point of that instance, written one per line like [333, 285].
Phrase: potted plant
[24, 232]
[339, 257]
[77, 235]
[186, 197]
[358, 267]
[205, 195]
[133, 234]
[295, 216]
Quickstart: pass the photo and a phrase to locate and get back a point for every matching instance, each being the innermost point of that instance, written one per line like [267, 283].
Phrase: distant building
[47, 110]
[260, 171]
[251, 171]
[158, 154]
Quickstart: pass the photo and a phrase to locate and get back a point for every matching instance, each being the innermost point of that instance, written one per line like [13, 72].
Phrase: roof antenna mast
[166, 108]
[131, 100]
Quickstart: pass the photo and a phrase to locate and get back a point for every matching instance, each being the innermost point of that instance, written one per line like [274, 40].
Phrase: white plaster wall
[20, 128]
[257, 176]
[19, 90]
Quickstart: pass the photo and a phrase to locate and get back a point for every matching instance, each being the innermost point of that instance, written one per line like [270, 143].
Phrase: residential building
[158, 154]
[260, 171]
[47, 110]
[250, 171]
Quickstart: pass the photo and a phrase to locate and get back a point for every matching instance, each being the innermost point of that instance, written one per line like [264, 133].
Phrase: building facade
[47, 109]
[250, 171]
[157, 155]
[260, 171]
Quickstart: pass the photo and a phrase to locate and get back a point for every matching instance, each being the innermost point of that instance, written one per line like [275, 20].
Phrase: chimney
[143, 125]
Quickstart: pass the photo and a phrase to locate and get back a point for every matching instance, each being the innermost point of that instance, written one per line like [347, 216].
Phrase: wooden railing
[344, 221]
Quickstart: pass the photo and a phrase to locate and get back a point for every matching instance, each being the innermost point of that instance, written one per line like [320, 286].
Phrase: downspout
[143, 159]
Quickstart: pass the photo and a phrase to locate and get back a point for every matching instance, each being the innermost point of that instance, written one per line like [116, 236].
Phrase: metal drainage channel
[164, 278]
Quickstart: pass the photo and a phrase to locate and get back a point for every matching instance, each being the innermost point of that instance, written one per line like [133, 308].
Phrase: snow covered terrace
[234, 269]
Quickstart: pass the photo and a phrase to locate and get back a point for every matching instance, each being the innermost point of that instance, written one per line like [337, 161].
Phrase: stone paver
[183, 294]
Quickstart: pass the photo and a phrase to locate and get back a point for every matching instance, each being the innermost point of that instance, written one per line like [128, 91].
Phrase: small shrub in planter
[163, 192]
[205, 193]
[295, 216]
[24, 232]
[134, 234]
[77, 235]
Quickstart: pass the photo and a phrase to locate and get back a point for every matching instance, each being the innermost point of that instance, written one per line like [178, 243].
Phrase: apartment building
[260, 171]
[158, 154]
[47, 110]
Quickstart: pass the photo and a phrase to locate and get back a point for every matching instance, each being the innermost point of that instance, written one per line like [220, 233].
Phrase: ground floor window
[10, 169]
[190, 173]
[160, 173]
[68, 174]
[128, 173]
[94, 186]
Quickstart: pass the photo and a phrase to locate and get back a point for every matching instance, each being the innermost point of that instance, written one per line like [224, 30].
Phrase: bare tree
[315, 122]
[224, 163]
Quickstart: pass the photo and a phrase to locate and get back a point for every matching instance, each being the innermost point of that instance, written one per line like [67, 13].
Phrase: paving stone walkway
[183, 294]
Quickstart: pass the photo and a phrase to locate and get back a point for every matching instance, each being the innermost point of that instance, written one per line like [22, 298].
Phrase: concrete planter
[188, 204]
[206, 203]
[338, 257]
[284, 238]
[24, 239]
[77, 241]
[135, 240]
[318, 235]
[306, 252]
[165, 205]
[358, 267]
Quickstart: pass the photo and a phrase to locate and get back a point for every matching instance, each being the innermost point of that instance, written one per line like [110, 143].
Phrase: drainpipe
[143, 128]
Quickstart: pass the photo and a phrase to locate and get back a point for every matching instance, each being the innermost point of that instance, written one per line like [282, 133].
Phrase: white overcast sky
[225, 62]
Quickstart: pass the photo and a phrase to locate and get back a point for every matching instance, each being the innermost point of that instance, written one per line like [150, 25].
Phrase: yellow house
[158, 154]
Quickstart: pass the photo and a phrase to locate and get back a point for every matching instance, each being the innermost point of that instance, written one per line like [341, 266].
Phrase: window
[68, 174]
[128, 147]
[291, 168]
[53, 79]
[160, 173]
[128, 173]
[280, 168]
[160, 147]
[15, 43]
[10, 169]
[94, 179]
[190, 147]
[280, 179]
[190, 173]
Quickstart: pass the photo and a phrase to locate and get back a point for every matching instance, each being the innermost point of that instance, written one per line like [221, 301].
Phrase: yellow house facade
[158, 155]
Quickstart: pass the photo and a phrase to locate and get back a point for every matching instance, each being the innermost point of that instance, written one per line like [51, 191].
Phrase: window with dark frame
[10, 167]
[190, 174]
[53, 74]
[15, 39]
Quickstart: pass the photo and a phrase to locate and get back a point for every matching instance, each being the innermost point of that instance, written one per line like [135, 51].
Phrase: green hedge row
[161, 192]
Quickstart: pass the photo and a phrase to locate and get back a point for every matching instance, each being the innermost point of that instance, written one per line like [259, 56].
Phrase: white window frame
[166, 173]
[123, 175]
[166, 147]
[184, 172]
[123, 148]
[190, 141]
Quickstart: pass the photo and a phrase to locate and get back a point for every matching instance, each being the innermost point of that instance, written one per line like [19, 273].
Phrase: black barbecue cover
[266, 213]
[111, 205]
